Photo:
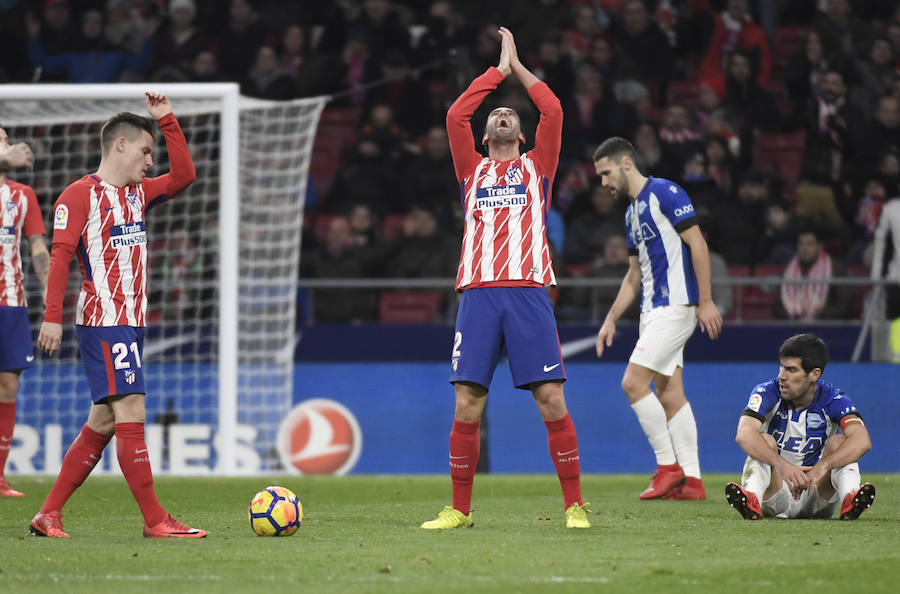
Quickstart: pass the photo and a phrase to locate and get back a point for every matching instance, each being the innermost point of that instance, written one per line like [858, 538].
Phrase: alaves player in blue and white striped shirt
[669, 268]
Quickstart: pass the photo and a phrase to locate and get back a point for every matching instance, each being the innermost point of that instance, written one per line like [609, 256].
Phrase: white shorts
[809, 505]
[663, 334]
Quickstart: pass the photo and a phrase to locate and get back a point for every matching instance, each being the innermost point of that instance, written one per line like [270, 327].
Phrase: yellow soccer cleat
[576, 516]
[449, 518]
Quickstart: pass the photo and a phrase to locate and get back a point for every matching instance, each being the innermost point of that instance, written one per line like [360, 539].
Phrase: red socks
[135, 464]
[80, 459]
[7, 424]
[465, 443]
[564, 451]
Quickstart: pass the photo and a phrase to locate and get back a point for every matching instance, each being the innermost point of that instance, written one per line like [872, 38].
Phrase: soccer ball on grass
[275, 511]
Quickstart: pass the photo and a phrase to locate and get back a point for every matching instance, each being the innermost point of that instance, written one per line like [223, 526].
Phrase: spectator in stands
[814, 297]
[179, 40]
[58, 33]
[832, 129]
[123, 30]
[740, 223]
[803, 79]
[699, 185]
[364, 229]
[751, 107]
[883, 134]
[780, 234]
[240, 40]
[554, 66]
[404, 94]
[267, 79]
[718, 271]
[293, 48]
[733, 29]
[888, 227]
[590, 223]
[592, 114]
[875, 74]
[648, 148]
[339, 258]
[643, 49]
[424, 250]
[713, 117]
[446, 31]
[582, 303]
[380, 25]
[840, 29]
[868, 212]
[205, 68]
[720, 164]
[366, 175]
[583, 29]
[93, 60]
[428, 181]
[679, 139]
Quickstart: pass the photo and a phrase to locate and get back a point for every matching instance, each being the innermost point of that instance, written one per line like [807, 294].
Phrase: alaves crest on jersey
[127, 235]
[491, 197]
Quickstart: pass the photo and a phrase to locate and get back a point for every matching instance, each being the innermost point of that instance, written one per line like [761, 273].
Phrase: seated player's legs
[111, 356]
[532, 342]
[478, 338]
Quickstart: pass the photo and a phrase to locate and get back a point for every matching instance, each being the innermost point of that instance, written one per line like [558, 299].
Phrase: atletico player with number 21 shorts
[101, 218]
[503, 269]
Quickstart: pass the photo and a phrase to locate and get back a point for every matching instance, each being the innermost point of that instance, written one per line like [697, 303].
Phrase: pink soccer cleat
[745, 502]
[172, 528]
[48, 524]
[692, 489]
[7, 491]
[857, 502]
[667, 477]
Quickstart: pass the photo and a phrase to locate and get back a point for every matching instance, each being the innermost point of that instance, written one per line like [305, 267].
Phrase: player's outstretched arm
[182, 172]
[508, 43]
[628, 291]
[158, 105]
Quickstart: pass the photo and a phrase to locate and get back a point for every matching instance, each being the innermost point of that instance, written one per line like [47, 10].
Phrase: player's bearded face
[793, 381]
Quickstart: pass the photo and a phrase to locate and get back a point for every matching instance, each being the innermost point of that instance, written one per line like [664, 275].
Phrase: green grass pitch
[361, 534]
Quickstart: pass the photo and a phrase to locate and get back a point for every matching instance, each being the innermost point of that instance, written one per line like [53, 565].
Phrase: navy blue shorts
[112, 360]
[519, 319]
[16, 345]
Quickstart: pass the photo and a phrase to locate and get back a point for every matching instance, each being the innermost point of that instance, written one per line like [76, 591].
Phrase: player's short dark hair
[615, 148]
[812, 351]
[125, 124]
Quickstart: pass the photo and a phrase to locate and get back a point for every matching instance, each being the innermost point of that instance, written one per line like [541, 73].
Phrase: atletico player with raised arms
[101, 217]
[503, 271]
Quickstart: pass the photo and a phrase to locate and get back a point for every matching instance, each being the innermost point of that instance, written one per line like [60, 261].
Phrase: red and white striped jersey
[505, 202]
[19, 212]
[104, 224]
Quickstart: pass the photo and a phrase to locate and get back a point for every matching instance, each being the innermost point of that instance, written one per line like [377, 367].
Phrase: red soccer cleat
[692, 489]
[745, 502]
[857, 502]
[48, 524]
[666, 478]
[172, 528]
[7, 491]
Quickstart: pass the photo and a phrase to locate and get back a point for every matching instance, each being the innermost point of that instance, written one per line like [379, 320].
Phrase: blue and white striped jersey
[800, 433]
[652, 223]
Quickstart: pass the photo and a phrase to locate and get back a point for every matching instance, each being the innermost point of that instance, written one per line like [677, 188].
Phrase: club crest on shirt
[814, 421]
[12, 207]
[514, 174]
[61, 217]
[132, 198]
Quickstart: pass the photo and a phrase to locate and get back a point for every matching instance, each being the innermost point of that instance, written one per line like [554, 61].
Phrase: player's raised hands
[507, 39]
[16, 155]
[504, 64]
[158, 104]
[709, 318]
[605, 336]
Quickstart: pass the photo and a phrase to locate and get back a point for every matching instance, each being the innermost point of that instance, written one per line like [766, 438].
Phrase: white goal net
[224, 256]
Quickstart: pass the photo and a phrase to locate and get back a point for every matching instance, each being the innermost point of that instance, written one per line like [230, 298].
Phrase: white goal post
[254, 156]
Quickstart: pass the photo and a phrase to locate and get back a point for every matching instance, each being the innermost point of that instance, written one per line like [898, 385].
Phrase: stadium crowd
[780, 119]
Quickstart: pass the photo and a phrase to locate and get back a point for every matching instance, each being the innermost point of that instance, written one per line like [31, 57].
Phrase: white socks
[756, 477]
[845, 479]
[652, 418]
[683, 433]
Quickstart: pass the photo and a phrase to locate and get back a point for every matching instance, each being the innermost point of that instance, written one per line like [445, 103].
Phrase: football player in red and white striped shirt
[20, 216]
[503, 271]
[101, 217]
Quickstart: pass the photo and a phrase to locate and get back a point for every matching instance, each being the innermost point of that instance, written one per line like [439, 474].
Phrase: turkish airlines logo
[319, 436]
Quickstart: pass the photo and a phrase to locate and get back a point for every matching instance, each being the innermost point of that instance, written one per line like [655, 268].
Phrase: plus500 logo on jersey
[127, 235]
[7, 236]
[500, 196]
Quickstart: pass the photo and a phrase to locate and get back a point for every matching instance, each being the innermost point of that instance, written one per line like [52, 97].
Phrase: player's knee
[634, 387]
[9, 386]
[470, 399]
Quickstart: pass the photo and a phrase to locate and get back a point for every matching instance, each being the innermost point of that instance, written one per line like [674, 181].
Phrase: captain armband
[850, 420]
